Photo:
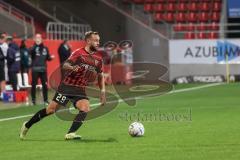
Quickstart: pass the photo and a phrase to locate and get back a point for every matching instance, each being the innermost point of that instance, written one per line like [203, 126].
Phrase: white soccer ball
[136, 129]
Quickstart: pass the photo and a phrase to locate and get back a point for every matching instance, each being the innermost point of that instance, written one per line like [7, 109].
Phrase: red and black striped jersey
[88, 67]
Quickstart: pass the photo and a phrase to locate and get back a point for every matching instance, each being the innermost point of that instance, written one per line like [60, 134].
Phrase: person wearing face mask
[39, 55]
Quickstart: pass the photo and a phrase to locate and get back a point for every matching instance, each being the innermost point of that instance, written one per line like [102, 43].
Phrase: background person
[39, 55]
[25, 57]
[64, 51]
[13, 62]
[2, 70]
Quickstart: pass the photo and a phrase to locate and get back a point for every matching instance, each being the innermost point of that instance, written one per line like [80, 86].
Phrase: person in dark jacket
[13, 62]
[3, 54]
[2, 63]
[25, 58]
[64, 51]
[39, 55]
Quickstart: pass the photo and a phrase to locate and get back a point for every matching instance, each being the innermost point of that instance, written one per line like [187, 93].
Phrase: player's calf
[52, 107]
[83, 107]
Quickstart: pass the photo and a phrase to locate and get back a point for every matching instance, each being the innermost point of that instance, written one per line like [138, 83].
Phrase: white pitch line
[120, 100]
[17, 117]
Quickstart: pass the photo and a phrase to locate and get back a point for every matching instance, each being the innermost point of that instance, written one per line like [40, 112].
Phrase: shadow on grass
[89, 140]
[84, 140]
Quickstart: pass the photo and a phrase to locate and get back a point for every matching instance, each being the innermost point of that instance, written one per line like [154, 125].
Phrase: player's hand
[103, 98]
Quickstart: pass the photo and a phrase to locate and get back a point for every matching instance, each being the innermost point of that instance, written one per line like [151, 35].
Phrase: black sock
[77, 122]
[37, 117]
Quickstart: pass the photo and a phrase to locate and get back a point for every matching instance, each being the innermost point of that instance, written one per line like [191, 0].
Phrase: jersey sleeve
[73, 57]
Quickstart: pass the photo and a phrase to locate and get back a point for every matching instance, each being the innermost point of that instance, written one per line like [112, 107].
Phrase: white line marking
[120, 100]
[17, 117]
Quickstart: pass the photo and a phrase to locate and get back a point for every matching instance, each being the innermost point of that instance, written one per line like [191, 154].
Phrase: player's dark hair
[89, 34]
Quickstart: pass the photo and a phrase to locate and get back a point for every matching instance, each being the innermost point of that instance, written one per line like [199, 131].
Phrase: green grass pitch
[205, 127]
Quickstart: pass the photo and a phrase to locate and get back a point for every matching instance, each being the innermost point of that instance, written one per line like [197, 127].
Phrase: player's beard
[93, 49]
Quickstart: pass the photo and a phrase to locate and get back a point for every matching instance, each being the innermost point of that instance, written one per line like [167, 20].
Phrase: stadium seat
[158, 7]
[199, 18]
[212, 35]
[192, 17]
[190, 27]
[169, 17]
[170, 7]
[204, 6]
[202, 27]
[189, 35]
[217, 6]
[158, 17]
[215, 16]
[181, 7]
[214, 26]
[179, 27]
[192, 6]
[180, 17]
[202, 35]
[203, 17]
[148, 7]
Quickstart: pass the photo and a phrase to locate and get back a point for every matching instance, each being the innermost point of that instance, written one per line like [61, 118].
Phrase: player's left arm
[101, 84]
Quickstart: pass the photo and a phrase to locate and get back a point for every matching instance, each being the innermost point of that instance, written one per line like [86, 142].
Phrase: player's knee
[85, 109]
[51, 108]
[83, 105]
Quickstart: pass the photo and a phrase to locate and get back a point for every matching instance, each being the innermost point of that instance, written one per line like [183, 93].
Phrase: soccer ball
[136, 129]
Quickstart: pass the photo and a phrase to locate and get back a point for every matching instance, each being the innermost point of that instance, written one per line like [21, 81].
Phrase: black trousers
[13, 79]
[43, 78]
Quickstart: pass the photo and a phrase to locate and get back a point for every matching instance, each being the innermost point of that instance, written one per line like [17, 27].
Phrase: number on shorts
[61, 98]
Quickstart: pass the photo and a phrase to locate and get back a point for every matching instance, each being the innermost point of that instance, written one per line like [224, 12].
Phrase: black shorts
[63, 99]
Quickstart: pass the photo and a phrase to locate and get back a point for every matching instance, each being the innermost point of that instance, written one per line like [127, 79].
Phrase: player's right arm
[69, 63]
[68, 66]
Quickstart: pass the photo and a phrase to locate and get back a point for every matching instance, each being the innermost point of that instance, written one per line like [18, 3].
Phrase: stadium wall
[203, 57]
[12, 25]
[115, 26]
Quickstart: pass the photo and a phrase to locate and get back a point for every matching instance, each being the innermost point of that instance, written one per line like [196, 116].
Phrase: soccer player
[84, 65]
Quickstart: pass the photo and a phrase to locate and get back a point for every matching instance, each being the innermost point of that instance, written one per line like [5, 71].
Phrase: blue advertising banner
[233, 8]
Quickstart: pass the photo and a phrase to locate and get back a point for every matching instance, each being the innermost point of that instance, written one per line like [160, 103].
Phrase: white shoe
[23, 131]
[71, 136]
